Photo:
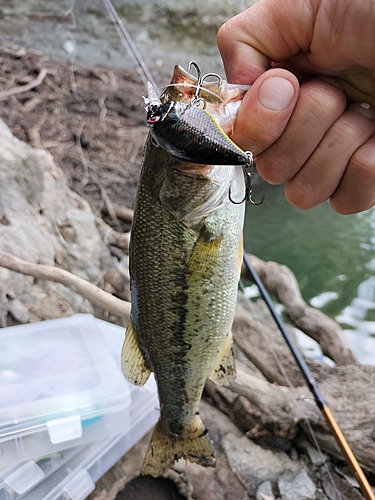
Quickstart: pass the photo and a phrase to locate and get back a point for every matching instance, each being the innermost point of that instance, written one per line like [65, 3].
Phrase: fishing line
[128, 43]
[311, 383]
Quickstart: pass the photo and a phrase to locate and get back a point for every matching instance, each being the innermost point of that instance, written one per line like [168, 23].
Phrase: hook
[215, 75]
[193, 63]
[196, 100]
[247, 170]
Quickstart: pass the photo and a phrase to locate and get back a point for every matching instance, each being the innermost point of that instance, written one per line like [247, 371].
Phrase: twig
[24, 88]
[103, 112]
[34, 132]
[108, 208]
[112, 237]
[74, 86]
[81, 155]
[123, 213]
[83, 287]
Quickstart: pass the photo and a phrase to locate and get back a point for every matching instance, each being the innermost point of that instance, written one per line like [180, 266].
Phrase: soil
[90, 119]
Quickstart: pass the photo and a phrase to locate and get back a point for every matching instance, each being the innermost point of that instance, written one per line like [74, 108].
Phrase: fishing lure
[189, 133]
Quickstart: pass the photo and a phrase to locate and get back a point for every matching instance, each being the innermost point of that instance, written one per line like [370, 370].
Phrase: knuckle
[363, 166]
[275, 169]
[356, 192]
[323, 99]
[222, 35]
[301, 196]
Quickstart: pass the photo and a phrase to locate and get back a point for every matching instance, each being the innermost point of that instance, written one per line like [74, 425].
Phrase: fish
[184, 259]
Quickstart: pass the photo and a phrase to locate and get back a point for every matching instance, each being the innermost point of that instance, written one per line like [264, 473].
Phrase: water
[332, 256]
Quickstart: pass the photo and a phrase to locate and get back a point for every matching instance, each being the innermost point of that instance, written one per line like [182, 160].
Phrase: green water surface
[327, 252]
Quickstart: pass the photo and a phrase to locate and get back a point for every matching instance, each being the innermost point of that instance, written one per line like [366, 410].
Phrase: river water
[332, 256]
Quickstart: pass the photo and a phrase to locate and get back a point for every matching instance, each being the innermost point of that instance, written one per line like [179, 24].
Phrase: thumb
[265, 110]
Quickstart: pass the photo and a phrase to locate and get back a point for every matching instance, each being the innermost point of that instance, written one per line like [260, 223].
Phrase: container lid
[70, 474]
[60, 386]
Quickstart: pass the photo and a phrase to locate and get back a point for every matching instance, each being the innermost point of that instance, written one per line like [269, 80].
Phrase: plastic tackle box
[69, 470]
[59, 387]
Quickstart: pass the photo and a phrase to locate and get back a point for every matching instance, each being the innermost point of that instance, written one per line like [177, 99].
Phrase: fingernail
[364, 108]
[276, 93]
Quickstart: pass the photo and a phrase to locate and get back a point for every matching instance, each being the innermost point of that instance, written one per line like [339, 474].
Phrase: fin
[203, 259]
[132, 360]
[194, 445]
[225, 370]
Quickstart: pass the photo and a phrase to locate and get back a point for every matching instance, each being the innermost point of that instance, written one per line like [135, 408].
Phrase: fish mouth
[195, 170]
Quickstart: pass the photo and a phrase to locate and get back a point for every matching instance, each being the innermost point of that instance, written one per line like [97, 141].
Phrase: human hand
[310, 120]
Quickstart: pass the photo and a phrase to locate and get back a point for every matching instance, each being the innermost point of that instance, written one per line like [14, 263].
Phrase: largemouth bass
[185, 259]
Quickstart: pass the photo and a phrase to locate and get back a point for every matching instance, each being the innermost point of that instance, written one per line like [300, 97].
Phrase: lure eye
[159, 113]
[153, 119]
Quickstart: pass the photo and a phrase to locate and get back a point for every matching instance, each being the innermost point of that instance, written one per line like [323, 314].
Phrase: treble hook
[196, 100]
[247, 170]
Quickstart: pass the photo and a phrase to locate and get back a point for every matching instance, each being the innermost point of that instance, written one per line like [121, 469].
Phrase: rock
[254, 464]
[296, 486]
[18, 311]
[316, 456]
[265, 492]
[35, 201]
[337, 488]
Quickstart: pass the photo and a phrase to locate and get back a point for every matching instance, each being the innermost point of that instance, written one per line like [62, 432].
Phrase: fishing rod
[312, 385]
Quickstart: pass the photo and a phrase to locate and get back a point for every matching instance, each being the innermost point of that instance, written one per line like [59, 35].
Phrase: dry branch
[112, 237]
[123, 213]
[281, 282]
[24, 88]
[273, 415]
[83, 287]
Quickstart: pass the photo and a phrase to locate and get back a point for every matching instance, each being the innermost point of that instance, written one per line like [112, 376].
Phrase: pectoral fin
[225, 370]
[204, 257]
[132, 360]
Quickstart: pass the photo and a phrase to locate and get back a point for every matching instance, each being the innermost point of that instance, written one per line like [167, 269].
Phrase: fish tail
[193, 445]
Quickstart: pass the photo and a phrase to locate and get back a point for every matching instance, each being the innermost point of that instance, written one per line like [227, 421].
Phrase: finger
[265, 110]
[267, 31]
[322, 173]
[319, 105]
[356, 191]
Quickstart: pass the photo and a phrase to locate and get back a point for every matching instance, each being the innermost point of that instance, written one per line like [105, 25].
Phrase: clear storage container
[71, 474]
[60, 387]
